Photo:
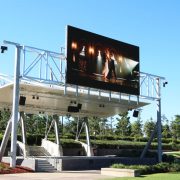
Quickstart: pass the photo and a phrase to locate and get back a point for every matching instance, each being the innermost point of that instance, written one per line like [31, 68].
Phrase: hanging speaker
[73, 109]
[135, 113]
[79, 106]
[22, 100]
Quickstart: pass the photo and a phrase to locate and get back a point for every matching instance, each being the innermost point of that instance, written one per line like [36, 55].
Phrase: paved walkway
[69, 175]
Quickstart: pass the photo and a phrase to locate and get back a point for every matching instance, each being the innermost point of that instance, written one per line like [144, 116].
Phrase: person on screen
[106, 67]
[111, 66]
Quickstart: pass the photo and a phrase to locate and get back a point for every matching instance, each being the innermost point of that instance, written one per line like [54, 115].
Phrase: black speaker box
[135, 113]
[22, 100]
[73, 109]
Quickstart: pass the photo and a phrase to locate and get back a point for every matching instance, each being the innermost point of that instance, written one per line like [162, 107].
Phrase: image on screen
[99, 62]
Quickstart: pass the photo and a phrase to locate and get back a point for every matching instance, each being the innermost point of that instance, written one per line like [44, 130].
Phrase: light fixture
[91, 50]
[74, 45]
[165, 83]
[3, 48]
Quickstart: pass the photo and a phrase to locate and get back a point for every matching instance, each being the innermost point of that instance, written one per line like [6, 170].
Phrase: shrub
[70, 143]
[68, 136]
[2, 166]
[168, 158]
[157, 168]
[175, 167]
[160, 168]
[122, 166]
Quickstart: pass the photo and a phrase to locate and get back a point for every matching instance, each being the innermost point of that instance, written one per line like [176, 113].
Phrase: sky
[153, 25]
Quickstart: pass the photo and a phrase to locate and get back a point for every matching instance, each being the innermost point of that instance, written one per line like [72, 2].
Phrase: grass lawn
[160, 176]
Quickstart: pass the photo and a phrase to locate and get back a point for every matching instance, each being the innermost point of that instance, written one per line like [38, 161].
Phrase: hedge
[107, 144]
[157, 168]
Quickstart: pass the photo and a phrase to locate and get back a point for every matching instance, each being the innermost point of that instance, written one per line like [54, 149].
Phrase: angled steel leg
[56, 128]
[5, 139]
[89, 150]
[23, 128]
[148, 143]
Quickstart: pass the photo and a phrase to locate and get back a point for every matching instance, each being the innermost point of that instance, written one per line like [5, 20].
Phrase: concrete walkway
[69, 175]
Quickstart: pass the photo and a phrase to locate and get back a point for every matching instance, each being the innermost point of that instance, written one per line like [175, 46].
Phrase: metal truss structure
[47, 67]
[39, 66]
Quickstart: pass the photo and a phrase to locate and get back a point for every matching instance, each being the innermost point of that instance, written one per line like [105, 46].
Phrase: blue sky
[153, 25]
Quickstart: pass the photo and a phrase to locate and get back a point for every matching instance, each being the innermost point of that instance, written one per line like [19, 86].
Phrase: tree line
[119, 125]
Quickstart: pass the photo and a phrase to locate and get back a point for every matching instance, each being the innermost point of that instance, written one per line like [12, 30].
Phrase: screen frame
[128, 51]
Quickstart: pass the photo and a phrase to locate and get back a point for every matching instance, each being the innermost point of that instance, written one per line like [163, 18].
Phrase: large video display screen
[100, 62]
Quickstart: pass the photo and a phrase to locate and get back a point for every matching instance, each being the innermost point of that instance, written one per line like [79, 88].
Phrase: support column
[15, 107]
[159, 127]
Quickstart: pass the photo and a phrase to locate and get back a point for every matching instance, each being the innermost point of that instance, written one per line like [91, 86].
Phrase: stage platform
[39, 98]
[79, 162]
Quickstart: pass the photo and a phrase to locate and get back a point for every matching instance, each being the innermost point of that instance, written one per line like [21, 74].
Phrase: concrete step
[45, 166]
[37, 151]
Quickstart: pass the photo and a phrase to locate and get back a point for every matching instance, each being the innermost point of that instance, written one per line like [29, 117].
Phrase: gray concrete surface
[69, 175]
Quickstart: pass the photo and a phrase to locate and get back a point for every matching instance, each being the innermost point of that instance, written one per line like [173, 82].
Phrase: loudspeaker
[73, 109]
[79, 106]
[135, 113]
[3, 48]
[22, 100]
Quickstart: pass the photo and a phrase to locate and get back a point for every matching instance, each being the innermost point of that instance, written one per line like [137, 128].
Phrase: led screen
[100, 62]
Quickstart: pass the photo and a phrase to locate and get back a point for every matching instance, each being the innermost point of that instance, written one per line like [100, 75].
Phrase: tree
[149, 126]
[36, 124]
[103, 126]
[136, 128]
[123, 127]
[70, 126]
[175, 127]
[94, 125]
[166, 132]
[111, 128]
[4, 117]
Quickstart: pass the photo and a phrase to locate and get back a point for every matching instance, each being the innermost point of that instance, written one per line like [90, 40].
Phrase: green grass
[160, 176]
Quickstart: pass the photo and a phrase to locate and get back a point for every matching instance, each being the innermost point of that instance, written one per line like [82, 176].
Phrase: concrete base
[98, 162]
[81, 162]
[119, 172]
[29, 162]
